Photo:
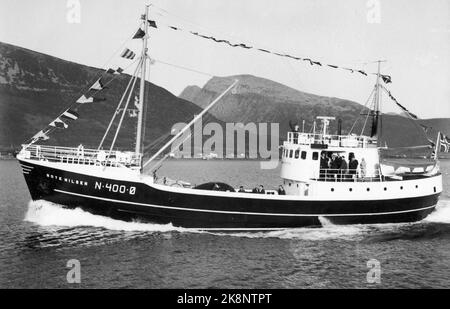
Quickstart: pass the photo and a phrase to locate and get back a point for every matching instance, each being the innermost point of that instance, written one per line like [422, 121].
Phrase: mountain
[257, 99]
[438, 124]
[35, 88]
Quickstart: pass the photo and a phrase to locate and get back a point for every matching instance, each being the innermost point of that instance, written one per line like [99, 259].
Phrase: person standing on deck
[261, 190]
[324, 164]
[343, 169]
[362, 168]
[353, 165]
[334, 165]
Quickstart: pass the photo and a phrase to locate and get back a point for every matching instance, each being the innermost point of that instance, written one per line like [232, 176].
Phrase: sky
[412, 35]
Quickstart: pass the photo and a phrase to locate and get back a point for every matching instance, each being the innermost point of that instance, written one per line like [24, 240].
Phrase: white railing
[81, 155]
[330, 140]
[349, 175]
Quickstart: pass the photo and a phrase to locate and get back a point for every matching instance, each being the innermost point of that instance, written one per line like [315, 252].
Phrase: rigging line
[155, 144]
[52, 129]
[205, 110]
[123, 113]
[227, 34]
[364, 106]
[117, 108]
[213, 31]
[410, 118]
[255, 46]
[184, 68]
[367, 116]
[90, 82]
[129, 38]
[207, 117]
[159, 163]
[185, 20]
[114, 77]
[164, 137]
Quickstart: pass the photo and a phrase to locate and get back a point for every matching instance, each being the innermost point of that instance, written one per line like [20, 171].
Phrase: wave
[441, 214]
[348, 232]
[45, 213]
[49, 214]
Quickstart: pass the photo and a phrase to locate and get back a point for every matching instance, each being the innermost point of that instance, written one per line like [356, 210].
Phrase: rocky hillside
[261, 100]
[35, 88]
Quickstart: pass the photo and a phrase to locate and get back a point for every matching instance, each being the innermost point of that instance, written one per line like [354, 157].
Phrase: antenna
[325, 123]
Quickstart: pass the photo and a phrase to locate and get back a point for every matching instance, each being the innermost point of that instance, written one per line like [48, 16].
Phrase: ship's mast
[376, 122]
[142, 86]
[377, 90]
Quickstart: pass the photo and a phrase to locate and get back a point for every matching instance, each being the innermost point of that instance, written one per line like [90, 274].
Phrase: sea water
[37, 239]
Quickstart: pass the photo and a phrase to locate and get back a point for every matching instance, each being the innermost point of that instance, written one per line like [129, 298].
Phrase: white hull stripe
[25, 172]
[26, 166]
[243, 213]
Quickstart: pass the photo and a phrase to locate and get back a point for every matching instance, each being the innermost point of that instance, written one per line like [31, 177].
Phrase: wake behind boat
[340, 177]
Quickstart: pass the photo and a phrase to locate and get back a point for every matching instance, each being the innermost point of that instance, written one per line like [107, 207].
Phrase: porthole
[401, 188]
[368, 189]
[417, 186]
[350, 189]
[290, 184]
[332, 189]
[385, 189]
[434, 189]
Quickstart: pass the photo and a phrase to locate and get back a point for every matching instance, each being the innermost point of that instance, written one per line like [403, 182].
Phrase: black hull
[153, 205]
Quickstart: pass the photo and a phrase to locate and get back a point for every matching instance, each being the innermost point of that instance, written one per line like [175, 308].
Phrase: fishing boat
[120, 184]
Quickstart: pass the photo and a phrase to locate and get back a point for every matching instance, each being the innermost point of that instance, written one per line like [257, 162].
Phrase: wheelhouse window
[303, 155]
[291, 152]
[315, 155]
[297, 153]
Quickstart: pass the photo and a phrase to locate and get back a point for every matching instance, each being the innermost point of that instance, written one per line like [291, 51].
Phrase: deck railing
[330, 140]
[81, 155]
[349, 175]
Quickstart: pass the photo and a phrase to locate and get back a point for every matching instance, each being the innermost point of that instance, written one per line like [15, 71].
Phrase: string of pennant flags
[413, 116]
[386, 78]
[71, 113]
[444, 141]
